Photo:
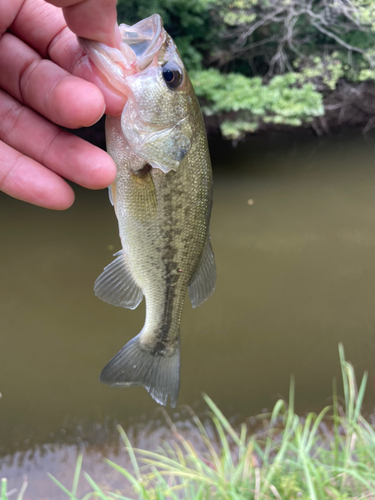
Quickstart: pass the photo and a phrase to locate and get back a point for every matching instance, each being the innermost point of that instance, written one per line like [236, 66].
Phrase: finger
[8, 13]
[50, 90]
[42, 26]
[27, 180]
[114, 100]
[93, 19]
[37, 24]
[64, 153]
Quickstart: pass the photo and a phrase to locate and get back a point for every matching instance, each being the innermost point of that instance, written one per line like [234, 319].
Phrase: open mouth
[143, 38]
[140, 44]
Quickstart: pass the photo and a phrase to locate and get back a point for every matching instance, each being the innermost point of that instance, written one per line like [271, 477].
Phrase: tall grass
[330, 455]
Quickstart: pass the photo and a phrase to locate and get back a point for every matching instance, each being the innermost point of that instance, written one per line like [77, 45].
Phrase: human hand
[42, 72]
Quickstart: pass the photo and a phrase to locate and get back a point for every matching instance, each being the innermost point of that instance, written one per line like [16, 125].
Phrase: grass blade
[62, 488]
[77, 473]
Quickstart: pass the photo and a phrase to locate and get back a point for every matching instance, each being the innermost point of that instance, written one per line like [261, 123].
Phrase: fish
[162, 197]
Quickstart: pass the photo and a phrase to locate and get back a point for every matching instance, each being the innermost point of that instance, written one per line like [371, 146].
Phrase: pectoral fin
[203, 282]
[112, 196]
[116, 284]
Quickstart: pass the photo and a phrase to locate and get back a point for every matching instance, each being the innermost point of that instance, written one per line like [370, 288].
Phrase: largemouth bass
[162, 197]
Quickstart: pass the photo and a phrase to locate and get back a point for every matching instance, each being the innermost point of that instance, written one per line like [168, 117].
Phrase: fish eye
[172, 76]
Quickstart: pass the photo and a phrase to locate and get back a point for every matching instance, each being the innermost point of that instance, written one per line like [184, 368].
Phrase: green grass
[289, 458]
[5, 494]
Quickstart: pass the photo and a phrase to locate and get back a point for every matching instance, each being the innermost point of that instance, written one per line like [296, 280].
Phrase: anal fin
[202, 284]
[117, 286]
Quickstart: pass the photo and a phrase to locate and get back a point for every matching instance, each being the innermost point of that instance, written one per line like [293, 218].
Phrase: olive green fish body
[162, 197]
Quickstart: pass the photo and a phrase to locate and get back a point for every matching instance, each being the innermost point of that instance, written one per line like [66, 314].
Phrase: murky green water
[296, 275]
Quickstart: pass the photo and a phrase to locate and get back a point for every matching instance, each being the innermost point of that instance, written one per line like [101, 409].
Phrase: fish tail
[155, 369]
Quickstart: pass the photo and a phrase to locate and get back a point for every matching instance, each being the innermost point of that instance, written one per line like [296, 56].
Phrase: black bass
[162, 197]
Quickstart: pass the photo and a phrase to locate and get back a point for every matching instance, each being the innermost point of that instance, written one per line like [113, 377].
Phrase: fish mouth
[140, 44]
[144, 39]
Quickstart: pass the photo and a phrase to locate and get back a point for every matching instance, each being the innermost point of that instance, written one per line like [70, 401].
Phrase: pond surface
[296, 276]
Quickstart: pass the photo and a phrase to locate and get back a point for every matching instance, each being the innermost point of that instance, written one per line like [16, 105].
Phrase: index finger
[92, 19]
[42, 26]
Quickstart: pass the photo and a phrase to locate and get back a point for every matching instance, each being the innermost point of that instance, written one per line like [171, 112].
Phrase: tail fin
[135, 365]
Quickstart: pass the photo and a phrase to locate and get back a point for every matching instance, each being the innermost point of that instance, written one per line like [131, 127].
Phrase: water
[296, 276]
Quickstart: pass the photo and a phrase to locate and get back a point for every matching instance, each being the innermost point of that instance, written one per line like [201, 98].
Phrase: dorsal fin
[117, 286]
[202, 284]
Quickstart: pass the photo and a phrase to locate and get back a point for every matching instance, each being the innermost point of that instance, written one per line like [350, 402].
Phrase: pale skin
[46, 81]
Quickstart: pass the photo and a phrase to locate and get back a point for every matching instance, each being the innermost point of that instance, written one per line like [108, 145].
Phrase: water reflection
[296, 275]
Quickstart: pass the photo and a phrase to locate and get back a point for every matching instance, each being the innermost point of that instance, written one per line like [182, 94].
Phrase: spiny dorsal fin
[203, 282]
[116, 284]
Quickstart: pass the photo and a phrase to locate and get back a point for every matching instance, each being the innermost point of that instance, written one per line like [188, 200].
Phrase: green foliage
[281, 101]
[366, 74]
[323, 71]
[365, 12]
[239, 12]
[316, 43]
[291, 458]
[247, 44]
